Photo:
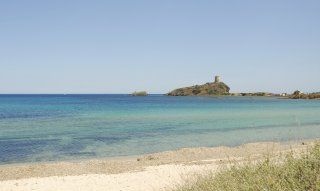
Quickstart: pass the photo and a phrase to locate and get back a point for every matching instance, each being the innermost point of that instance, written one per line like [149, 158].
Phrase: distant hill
[208, 89]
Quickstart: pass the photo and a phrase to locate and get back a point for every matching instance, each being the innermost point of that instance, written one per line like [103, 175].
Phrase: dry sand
[154, 172]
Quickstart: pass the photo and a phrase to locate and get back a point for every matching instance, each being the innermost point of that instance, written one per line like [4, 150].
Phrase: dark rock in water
[208, 89]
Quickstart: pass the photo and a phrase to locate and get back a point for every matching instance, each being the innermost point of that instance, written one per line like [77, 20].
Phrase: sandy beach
[158, 171]
[159, 95]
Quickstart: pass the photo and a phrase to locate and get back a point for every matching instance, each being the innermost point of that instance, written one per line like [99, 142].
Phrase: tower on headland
[217, 79]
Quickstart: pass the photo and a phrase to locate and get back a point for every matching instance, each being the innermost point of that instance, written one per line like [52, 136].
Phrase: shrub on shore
[294, 173]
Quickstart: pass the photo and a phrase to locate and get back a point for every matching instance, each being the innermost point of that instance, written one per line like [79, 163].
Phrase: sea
[44, 128]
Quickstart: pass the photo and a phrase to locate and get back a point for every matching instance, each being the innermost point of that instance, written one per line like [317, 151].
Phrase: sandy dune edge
[154, 178]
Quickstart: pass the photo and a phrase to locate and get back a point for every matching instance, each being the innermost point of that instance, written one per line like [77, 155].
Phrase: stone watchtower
[216, 79]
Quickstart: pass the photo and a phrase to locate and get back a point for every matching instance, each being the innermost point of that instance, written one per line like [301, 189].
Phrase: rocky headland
[218, 88]
[299, 95]
[215, 88]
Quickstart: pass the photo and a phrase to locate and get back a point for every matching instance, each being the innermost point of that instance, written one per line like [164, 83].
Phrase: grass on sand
[294, 172]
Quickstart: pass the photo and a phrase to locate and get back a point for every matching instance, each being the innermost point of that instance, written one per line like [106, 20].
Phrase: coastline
[168, 166]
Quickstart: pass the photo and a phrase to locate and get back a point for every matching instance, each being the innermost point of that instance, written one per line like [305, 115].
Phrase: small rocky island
[216, 88]
[140, 93]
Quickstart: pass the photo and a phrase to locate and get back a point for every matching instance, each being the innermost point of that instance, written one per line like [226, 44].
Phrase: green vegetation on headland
[208, 89]
[254, 94]
[141, 93]
[294, 172]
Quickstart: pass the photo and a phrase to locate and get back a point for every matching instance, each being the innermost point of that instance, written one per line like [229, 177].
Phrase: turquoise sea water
[63, 127]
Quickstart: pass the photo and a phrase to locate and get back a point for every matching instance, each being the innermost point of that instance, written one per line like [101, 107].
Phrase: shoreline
[115, 165]
[136, 156]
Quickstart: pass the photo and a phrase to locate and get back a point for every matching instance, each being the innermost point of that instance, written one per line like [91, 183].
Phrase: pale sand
[159, 171]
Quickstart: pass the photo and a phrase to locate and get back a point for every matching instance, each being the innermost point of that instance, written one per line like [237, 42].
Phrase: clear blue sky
[120, 46]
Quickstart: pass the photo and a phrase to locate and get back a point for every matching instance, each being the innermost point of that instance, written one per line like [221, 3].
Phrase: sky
[100, 46]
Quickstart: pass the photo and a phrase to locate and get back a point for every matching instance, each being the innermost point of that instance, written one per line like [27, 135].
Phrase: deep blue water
[65, 127]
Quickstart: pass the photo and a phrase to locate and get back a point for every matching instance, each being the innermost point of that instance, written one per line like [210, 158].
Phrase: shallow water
[66, 127]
